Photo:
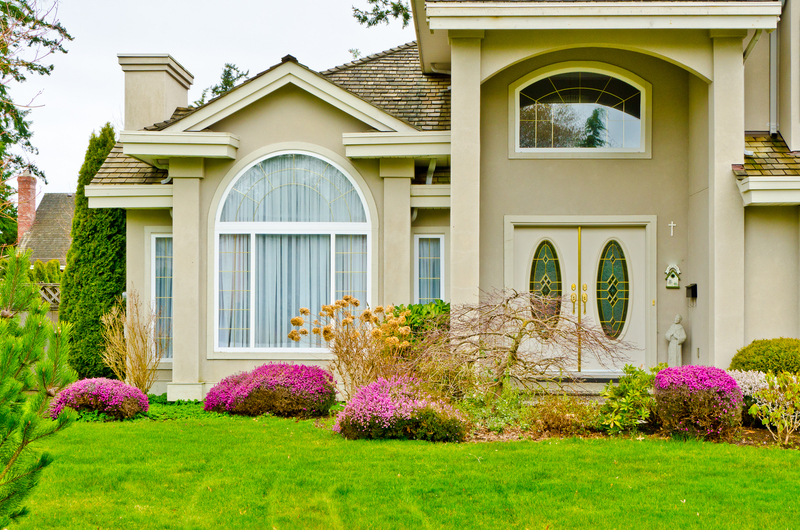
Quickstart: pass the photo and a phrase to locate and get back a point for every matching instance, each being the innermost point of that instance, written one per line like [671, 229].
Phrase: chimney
[26, 203]
[155, 84]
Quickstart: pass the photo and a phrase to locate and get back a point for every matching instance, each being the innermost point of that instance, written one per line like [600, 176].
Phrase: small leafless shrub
[131, 351]
[509, 336]
[565, 415]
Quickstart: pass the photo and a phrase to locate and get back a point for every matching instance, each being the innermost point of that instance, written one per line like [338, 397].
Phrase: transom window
[579, 109]
[292, 233]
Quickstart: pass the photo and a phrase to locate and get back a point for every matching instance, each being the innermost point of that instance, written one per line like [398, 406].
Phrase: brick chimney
[155, 84]
[26, 203]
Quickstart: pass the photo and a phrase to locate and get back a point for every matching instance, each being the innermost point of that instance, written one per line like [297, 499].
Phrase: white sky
[86, 88]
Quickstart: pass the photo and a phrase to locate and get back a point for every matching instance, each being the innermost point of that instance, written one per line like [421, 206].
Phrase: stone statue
[676, 336]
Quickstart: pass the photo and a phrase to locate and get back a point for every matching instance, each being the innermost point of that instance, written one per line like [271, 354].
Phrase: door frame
[648, 222]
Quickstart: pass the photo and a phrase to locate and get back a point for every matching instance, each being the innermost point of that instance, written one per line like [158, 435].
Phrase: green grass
[218, 473]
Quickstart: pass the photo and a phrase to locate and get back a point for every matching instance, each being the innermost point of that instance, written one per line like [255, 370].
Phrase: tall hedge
[95, 272]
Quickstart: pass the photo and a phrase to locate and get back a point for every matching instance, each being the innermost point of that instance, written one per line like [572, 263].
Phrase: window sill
[579, 155]
[293, 354]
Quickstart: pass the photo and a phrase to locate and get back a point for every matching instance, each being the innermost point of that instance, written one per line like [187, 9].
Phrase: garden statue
[676, 336]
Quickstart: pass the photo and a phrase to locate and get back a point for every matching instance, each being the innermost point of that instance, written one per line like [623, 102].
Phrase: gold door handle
[573, 298]
[584, 298]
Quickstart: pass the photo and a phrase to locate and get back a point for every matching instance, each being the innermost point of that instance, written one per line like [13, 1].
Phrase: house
[45, 230]
[637, 159]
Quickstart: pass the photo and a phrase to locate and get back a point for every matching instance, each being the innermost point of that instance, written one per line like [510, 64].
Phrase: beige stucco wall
[658, 186]
[772, 281]
[287, 117]
[756, 84]
[140, 225]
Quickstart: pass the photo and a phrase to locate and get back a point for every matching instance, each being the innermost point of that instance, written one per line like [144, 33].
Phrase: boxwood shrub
[113, 398]
[280, 389]
[398, 408]
[769, 355]
[700, 401]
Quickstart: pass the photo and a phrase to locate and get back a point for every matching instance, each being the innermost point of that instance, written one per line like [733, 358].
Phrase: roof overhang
[155, 147]
[602, 15]
[399, 145]
[770, 191]
[129, 196]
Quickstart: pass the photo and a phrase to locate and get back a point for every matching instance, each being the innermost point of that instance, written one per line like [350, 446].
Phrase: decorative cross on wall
[671, 226]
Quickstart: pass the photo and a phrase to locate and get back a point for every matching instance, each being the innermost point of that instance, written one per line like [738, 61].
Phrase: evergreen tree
[8, 216]
[33, 367]
[595, 129]
[382, 12]
[95, 272]
[230, 76]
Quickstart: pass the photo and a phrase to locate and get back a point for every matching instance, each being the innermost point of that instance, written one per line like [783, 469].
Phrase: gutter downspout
[752, 43]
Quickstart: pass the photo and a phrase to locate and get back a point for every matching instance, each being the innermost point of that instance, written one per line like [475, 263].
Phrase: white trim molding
[442, 268]
[154, 146]
[646, 129]
[435, 196]
[289, 72]
[399, 145]
[769, 191]
[478, 15]
[129, 196]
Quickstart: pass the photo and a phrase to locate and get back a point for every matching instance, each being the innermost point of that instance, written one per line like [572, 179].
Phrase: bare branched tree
[132, 352]
[510, 336]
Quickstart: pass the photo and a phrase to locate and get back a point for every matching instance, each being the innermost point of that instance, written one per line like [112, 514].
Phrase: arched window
[292, 232]
[578, 108]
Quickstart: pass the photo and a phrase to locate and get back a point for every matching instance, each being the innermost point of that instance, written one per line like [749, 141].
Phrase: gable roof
[49, 237]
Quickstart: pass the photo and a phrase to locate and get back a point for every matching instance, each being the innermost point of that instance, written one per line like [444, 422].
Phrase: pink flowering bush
[699, 401]
[398, 408]
[108, 396]
[280, 389]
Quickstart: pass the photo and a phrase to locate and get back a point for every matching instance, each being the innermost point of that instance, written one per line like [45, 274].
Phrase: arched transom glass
[613, 289]
[580, 110]
[293, 233]
[293, 188]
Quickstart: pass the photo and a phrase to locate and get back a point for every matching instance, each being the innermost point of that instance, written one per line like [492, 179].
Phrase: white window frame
[153, 237]
[286, 228]
[643, 151]
[442, 267]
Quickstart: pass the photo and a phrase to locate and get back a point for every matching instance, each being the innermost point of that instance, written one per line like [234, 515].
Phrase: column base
[186, 391]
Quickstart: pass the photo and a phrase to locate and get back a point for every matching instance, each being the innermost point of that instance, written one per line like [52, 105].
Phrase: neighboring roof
[393, 81]
[122, 169]
[771, 157]
[49, 237]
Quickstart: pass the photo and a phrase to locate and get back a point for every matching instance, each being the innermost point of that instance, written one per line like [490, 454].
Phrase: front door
[599, 274]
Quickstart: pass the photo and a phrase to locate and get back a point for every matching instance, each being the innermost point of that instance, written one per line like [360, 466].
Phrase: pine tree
[33, 367]
[227, 80]
[95, 272]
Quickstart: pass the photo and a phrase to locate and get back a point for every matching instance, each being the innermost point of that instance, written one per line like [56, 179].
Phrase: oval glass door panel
[613, 289]
[546, 274]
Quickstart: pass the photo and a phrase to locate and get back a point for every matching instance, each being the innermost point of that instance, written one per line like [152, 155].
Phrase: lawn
[218, 472]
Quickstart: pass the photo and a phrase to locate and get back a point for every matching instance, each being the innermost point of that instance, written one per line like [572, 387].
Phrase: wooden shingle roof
[393, 81]
[122, 169]
[49, 237]
[771, 157]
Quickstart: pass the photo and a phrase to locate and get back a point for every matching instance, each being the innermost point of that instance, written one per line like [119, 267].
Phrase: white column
[186, 347]
[726, 210]
[465, 166]
[397, 174]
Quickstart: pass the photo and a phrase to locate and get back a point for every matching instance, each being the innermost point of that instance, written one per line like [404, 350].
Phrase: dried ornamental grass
[109, 396]
[280, 389]
[699, 401]
[366, 344]
[399, 408]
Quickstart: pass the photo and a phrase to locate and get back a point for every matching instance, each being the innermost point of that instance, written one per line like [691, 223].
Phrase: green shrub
[421, 316]
[496, 413]
[39, 273]
[564, 415]
[769, 355]
[53, 270]
[629, 403]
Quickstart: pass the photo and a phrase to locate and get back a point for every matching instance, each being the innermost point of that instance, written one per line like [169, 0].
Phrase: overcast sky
[86, 88]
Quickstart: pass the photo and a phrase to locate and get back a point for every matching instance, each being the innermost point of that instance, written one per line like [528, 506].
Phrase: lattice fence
[51, 293]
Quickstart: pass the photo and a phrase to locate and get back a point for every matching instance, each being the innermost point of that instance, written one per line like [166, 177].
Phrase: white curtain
[430, 269]
[293, 188]
[234, 290]
[351, 267]
[292, 271]
[163, 294]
